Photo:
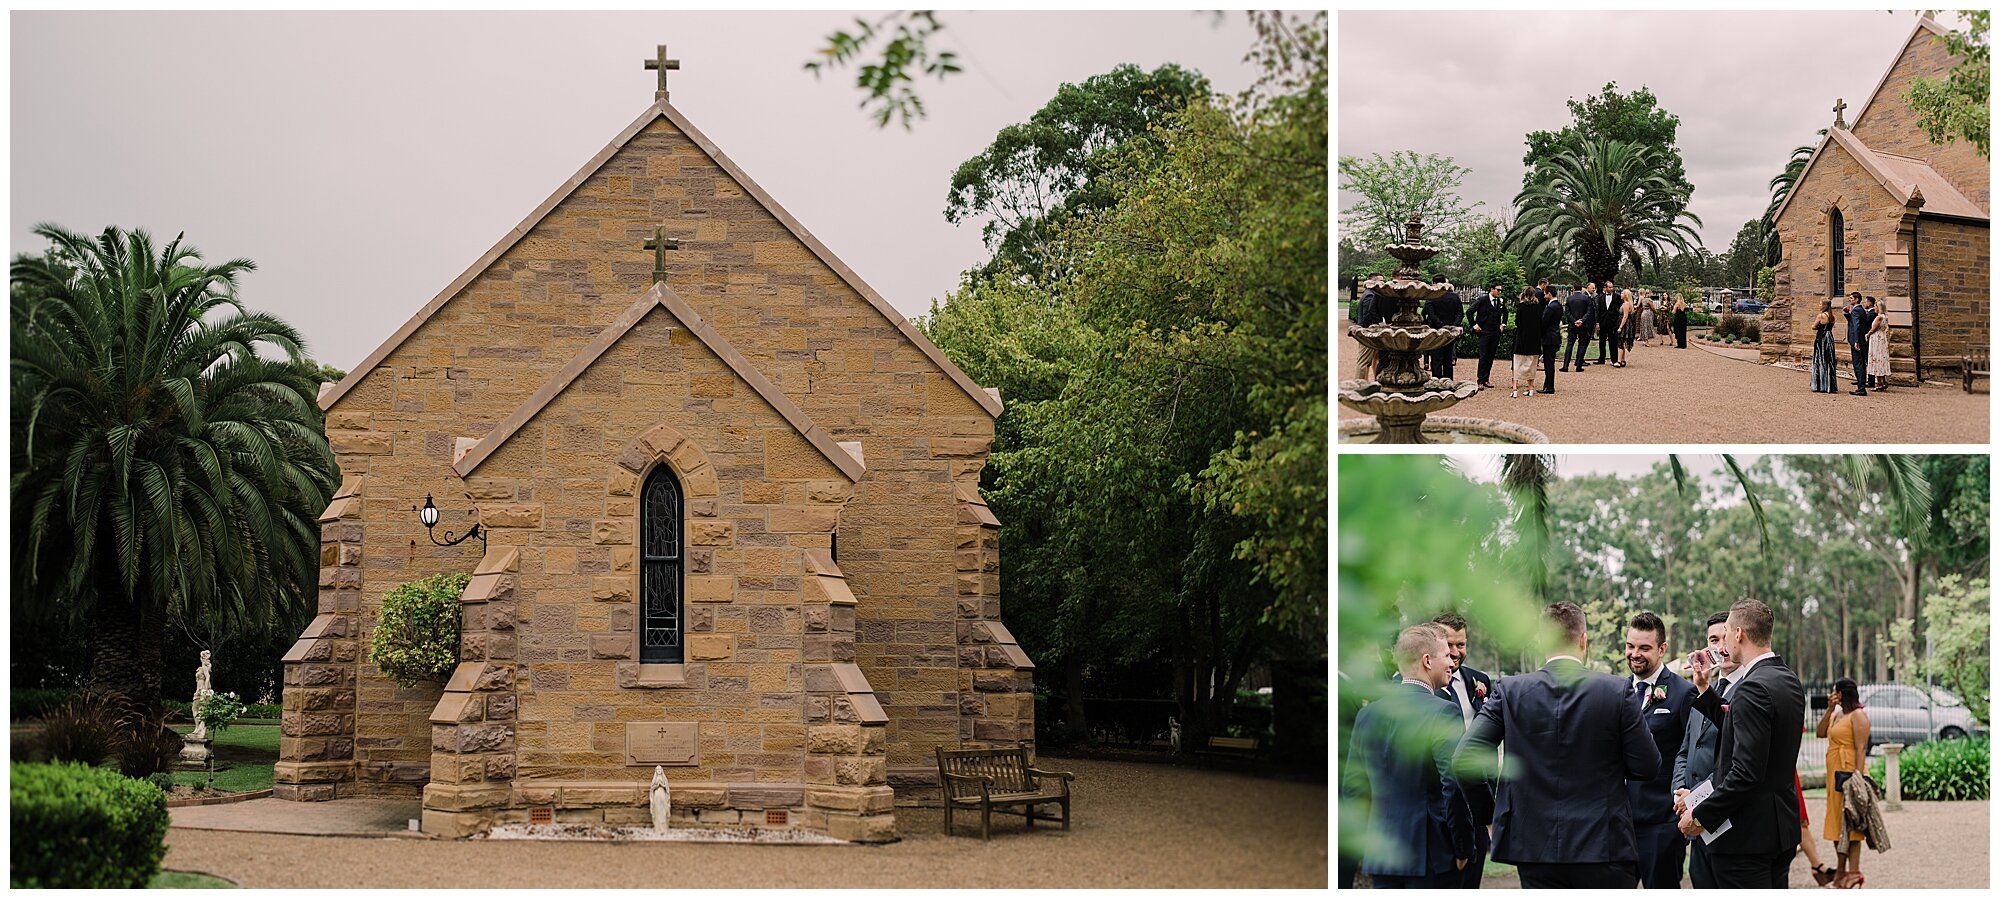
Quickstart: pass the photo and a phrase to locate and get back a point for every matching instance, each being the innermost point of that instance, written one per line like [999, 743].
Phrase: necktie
[1722, 688]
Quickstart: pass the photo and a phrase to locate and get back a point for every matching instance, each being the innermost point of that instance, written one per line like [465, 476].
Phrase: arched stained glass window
[1837, 264]
[660, 637]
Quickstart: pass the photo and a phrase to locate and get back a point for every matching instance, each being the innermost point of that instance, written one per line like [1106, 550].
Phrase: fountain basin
[1404, 340]
[1457, 429]
[1372, 398]
[605, 833]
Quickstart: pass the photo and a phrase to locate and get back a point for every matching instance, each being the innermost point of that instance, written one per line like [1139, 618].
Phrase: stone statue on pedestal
[661, 796]
[196, 752]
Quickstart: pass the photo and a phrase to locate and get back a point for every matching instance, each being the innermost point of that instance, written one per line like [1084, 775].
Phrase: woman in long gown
[1527, 342]
[1846, 736]
[1824, 362]
[1878, 353]
[1680, 323]
[1646, 330]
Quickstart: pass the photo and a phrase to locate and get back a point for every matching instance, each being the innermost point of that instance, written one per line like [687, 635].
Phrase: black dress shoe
[1857, 393]
[1544, 391]
[1564, 368]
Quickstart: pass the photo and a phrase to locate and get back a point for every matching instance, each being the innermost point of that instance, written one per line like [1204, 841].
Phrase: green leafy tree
[1633, 118]
[1394, 188]
[1958, 616]
[1961, 104]
[1039, 173]
[1606, 203]
[416, 639]
[161, 466]
[904, 36]
[1745, 256]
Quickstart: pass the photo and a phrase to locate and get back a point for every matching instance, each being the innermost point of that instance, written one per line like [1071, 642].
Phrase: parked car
[1750, 307]
[1907, 714]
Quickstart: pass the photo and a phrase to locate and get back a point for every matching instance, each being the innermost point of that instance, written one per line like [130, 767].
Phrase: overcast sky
[364, 160]
[1748, 87]
[1485, 467]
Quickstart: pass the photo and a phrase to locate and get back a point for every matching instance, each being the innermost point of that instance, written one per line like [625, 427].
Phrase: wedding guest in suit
[1878, 345]
[1857, 342]
[1757, 753]
[1844, 724]
[1609, 318]
[1552, 338]
[1447, 311]
[1695, 761]
[1581, 310]
[1664, 701]
[1366, 313]
[1398, 766]
[1573, 739]
[1467, 688]
[1488, 320]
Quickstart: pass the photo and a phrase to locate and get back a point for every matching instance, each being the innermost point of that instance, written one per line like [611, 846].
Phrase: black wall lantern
[429, 516]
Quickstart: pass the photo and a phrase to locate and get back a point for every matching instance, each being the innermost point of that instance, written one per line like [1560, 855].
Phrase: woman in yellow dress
[1845, 726]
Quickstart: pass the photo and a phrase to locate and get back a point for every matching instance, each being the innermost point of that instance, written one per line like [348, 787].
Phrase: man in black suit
[1609, 310]
[1368, 312]
[1581, 310]
[1443, 312]
[1858, 321]
[1695, 762]
[1552, 338]
[1487, 319]
[1758, 752]
[1573, 738]
[1665, 702]
[1399, 765]
[1466, 688]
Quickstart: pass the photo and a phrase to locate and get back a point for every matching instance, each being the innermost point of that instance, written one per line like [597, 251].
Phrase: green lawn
[188, 880]
[244, 756]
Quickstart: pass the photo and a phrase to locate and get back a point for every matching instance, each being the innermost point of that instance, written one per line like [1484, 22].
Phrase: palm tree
[1781, 187]
[1607, 203]
[161, 467]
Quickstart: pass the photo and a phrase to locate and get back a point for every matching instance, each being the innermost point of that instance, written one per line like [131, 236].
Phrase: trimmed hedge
[34, 702]
[1941, 769]
[75, 826]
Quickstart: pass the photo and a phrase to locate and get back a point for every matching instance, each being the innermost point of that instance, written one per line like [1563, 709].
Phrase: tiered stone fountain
[1402, 396]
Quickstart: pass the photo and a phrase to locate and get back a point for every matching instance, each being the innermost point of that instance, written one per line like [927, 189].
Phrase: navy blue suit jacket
[1759, 751]
[1572, 740]
[1581, 305]
[1667, 721]
[1398, 766]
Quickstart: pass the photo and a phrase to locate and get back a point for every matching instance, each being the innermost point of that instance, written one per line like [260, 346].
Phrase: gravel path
[1134, 825]
[1934, 845]
[1669, 395]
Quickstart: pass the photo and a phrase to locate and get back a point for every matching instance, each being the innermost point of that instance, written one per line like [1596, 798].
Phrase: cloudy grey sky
[364, 160]
[1485, 467]
[1748, 88]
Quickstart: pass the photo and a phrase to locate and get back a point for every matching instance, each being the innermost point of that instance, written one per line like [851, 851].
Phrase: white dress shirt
[1462, 687]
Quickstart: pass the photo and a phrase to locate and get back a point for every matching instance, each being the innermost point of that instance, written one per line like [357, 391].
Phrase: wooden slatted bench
[1232, 746]
[986, 779]
[1977, 365]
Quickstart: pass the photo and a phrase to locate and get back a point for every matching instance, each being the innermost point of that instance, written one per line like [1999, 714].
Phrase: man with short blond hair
[1757, 753]
[1398, 768]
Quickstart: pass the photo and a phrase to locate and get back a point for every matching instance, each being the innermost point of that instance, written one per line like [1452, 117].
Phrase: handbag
[1840, 778]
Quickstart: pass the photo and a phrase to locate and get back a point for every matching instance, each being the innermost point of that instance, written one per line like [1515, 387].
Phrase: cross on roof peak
[1839, 106]
[661, 63]
[659, 243]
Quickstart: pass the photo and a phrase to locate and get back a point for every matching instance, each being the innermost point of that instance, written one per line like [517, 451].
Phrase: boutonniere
[1659, 693]
[1725, 708]
[1479, 689]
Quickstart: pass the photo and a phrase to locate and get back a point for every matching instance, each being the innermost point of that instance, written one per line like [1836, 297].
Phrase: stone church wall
[1877, 235]
[1954, 285]
[1889, 125]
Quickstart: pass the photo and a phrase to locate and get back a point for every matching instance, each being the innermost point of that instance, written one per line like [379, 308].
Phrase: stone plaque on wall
[663, 743]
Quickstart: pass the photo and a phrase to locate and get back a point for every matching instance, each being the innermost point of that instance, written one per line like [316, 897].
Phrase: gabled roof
[662, 109]
[1925, 24]
[660, 296]
[1903, 177]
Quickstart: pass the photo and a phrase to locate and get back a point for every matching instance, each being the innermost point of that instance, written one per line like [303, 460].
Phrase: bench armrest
[1065, 775]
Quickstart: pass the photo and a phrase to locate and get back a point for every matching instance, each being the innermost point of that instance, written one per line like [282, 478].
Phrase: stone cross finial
[664, 65]
[1839, 106]
[660, 244]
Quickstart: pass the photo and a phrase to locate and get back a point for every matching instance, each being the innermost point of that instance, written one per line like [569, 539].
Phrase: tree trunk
[125, 649]
[1079, 726]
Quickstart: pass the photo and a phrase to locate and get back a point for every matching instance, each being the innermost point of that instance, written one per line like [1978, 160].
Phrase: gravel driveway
[1669, 395]
[1134, 825]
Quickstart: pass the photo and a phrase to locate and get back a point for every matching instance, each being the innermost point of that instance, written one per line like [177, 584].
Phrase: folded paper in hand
[1694, 798]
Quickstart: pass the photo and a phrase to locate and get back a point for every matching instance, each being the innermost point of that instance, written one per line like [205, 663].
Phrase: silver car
[1899, 713]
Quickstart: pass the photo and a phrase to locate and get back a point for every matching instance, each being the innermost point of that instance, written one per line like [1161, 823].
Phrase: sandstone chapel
[731, 514]
[1881, 210]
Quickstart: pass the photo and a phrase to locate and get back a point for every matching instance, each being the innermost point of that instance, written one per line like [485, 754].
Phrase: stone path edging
[218, 800]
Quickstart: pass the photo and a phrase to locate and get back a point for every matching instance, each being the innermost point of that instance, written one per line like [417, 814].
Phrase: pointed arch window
[660, 577]
[1837, 264]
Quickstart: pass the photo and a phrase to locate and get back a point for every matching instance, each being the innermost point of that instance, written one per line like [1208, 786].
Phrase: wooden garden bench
[1977, 365]
[1231, 746]
[988, 778]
